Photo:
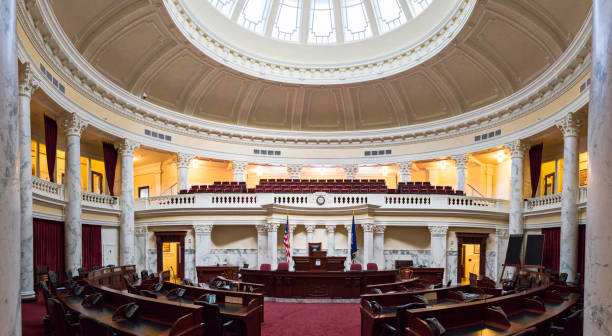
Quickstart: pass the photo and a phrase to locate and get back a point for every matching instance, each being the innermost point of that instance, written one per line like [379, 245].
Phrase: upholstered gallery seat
[265, 267]
[282, 266]
[355, 267]
[372, 267]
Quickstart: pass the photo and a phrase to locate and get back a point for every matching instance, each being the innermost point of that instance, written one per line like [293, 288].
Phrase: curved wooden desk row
[532, 308]
[233, 285]
[372, 322]
[205, 273]
[402, 285]
[246, 309]
[316, 285]
[112, 277]
[154, 317]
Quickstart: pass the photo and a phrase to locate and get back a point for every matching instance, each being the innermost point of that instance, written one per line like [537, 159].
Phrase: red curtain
[535, 166]
[552, 248]
[49, 245]
[51, 144]
[110, 163]
[581, 242]
[92, 246]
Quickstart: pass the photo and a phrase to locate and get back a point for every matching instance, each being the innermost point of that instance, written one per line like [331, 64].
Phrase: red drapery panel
[49, 245]
[552, 248]
[581, 242]
[535, 166]
[110, 163]
[51, 144]
[92, 246]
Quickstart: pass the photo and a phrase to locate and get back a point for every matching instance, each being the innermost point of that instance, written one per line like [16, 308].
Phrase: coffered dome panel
[502, 47]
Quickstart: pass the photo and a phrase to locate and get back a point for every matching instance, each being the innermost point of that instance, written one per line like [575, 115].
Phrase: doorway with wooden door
[171, 254]
[472, 249]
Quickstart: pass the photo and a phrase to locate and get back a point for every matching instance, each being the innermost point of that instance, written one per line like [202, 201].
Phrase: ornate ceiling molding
[241, 60]
[51, 42]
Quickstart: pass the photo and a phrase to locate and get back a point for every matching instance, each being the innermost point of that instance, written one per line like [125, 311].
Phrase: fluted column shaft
[182, 162]
[438, 247]
[203, 235]
[310, 233]
[569, 197]
[27, 85]
[73, 231]
[461, 163]
[331, 240]
[10, 305]
[262, 244]
[141, 236]
[517, 152]
[598, 261]
[368, 243]
[379, 246]
[273, 244]
[126, 230]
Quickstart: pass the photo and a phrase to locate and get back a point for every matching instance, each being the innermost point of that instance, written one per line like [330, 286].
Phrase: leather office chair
[52, 283]
[144, 274]
[283, 266]
[401, 319]
[355, 267]
[82, 272]
[372, 267]
[60, 320]
[128, 284]
[265, 267]
[214, 326]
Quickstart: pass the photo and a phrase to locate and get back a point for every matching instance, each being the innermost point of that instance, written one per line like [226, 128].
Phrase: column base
[28, 296]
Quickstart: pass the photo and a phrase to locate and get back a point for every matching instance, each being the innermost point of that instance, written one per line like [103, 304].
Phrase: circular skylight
[321, 21]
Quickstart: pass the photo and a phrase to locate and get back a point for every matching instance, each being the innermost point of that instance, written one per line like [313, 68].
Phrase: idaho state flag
[353, 243]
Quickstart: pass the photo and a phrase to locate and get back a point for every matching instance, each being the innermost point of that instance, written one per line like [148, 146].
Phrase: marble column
[73, 127]
[368, 243]
[273, 244]
[438, 248]
[27, 85]
[348, 248]
[291, 230]
[182, 162]
[331, 239]
[203, 234]
[10, 304]
[126, 229]
[239, 170]
[294, 170]
[141, 234]
[351, 171]
[405, 169]
[570, 127]
[461, 164]
[262, 244]
[598, 261]
[310, 228]
[379, 245]
[517, 152]
[501, 236]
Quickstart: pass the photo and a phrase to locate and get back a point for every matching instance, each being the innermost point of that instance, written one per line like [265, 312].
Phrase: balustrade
[543, 202]
[100, 200]
[47, 188]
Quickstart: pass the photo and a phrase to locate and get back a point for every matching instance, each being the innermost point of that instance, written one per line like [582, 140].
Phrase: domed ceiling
[503, 46]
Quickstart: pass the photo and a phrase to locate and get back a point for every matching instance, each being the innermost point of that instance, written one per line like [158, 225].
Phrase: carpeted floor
[281, 319]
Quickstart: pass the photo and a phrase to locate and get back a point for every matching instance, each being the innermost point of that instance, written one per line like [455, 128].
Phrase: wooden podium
[318, 260]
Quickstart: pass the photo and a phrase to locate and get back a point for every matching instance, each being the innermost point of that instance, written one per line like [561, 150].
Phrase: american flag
[286, 242]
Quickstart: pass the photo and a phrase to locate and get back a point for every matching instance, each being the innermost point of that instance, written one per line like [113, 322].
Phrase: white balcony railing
[99, 200]
[550, 202]
[48, 189]
[321, 200]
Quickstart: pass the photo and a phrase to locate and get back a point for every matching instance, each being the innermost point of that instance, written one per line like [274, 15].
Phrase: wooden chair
[214, 326]
[60, 320]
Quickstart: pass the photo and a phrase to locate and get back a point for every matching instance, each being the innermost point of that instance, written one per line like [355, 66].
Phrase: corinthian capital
[438, 230]
[380, 228]
[569, 125]
[460, 160]
[294, 170]
[368, 227]
[239, 166]
[201, 229]
[126, 147]
[405, 167]
[351, 170]
[183, 159]
[27, 83]
[73, 124]
[517, 148]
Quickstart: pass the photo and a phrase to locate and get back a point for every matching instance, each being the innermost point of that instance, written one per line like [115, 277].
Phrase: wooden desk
[429, 276]
[245, 308]
[235, 286]
[372, 323]
[319, 263]
[205, 273]
[522, 311]
[316, 285]
[154, 317]
[112, 277]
